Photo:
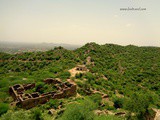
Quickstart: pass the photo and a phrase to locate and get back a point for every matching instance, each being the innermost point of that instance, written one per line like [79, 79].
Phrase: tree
[139, 103]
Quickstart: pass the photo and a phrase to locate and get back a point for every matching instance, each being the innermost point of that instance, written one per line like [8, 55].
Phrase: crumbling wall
[58, 95]
[32, 102]
[13, 93]
[81, 68]
[52, 81]
[29, 86]
[70, 91]
[16, 90]
[27, 100]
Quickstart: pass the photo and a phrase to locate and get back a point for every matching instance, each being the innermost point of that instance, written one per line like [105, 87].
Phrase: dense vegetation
[129, 75]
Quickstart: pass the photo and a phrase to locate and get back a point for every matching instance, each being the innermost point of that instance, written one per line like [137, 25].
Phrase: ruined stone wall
[27, 100]
[70, 91]
[59, 95]
[29, 86]
[32, 102]
[52, 81]
[13, 93]
[81, 68]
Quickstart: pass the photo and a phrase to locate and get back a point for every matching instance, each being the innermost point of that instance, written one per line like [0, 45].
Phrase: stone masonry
[27, 100]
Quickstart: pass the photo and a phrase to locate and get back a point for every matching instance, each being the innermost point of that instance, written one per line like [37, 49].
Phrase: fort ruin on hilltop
[27, 100]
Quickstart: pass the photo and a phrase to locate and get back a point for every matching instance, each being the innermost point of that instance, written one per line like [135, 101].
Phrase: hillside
[121, 82]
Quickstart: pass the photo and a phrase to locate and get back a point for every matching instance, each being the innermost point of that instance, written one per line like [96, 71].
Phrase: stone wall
[27, 100]
[81, 68]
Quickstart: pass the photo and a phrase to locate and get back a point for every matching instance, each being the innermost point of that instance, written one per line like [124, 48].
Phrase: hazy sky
[80, 21]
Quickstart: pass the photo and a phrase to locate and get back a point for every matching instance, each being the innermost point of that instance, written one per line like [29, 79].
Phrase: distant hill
[18, 47]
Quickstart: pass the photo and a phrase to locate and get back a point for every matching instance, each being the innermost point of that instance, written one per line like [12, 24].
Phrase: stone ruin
[81, 68]
[78, 69]
[27, 100]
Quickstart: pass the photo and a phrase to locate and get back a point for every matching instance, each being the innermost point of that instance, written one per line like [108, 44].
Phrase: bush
[108, 117]
[53, 103]
[3, 108]
[90, 77]
[37, 114]
[96, 98]
[18, 115]
[4, 83]
[79, 75]
[79, 111]
[65, 75]
[40, 87]
[55, 70]
[139, 103]
[118, 102]
[3, 96]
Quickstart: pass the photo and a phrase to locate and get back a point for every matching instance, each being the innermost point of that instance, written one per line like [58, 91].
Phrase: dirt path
[157, 117]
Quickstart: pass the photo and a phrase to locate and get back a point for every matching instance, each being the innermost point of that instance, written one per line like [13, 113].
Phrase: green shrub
[139, 103]
[3, 108]
[64, 75]
[79, 75]
[3, 96]
[40, 87]
[118, 102]
[3, 83]
[37, 114]
[90, 77]
[79, 111]
[55, 69]
[18, 115]
[53, 103]
[96, 98]
[108, 117]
